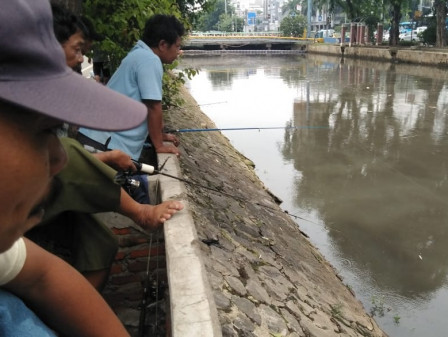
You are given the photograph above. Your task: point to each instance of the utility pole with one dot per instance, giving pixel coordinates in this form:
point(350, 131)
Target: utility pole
point(308, 16)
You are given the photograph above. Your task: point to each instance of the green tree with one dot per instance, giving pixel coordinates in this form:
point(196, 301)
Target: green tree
point(429, 35)
point(122, 22)
point(292, 5)
point(230, 23)
point(218, 16)
point(293, 25)
point(209, 19)
point(191, 8)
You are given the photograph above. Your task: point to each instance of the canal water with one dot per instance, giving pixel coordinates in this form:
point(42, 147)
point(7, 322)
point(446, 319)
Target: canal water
point(359, 151)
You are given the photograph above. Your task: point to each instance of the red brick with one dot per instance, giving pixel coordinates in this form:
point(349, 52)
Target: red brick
point(137, 266)
point(131, 240)
point(124, 279)
point(116, 269)
point(121, 231)
point(158, 251)
point(155, 251)
point(120, 256)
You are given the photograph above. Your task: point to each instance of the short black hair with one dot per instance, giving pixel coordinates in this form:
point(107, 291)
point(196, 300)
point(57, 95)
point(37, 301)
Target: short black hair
point(65, 23)
point(90, 33)
point(162, 27)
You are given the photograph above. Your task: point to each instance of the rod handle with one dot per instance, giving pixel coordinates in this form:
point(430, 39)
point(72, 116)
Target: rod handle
point(145, 168)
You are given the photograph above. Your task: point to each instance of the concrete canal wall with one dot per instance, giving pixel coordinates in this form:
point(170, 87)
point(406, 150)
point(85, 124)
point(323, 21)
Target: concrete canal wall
point(237, 264)
point(234, 262)
point(415, 55)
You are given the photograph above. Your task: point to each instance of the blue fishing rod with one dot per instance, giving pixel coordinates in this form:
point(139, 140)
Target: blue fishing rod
point(246, 128)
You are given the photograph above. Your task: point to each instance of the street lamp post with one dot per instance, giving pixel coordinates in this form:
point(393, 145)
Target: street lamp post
point(308, 17)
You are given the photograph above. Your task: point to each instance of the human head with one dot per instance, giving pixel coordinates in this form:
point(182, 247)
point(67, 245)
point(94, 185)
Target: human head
point(69, 31)
point(37, 93)
point(163, 34)
point(89, 33)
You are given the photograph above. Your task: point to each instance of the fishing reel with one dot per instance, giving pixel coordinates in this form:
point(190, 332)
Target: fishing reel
point(126, 181)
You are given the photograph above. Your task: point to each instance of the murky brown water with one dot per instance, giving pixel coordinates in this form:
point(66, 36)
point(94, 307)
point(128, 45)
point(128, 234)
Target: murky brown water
point(366, 168)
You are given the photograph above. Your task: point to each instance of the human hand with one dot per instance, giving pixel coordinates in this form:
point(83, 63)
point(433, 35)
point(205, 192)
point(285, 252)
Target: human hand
point(168, 137)
point(117, 159)
point(168, 149)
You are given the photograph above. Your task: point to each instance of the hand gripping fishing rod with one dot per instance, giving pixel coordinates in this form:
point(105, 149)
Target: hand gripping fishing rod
point(125, 179)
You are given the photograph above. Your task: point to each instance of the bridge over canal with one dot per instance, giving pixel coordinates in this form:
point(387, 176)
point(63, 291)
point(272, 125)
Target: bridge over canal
point(245, 42)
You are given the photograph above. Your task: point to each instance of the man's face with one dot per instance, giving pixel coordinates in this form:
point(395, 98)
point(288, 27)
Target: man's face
point(168, 53)
point(73, 49)
point(31, 155)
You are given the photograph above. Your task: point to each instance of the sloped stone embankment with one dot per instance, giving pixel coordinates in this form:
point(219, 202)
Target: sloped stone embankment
point(267, 278)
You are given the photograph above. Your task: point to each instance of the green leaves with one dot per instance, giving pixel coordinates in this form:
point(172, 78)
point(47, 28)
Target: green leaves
point(122, 23)
point(293, 25)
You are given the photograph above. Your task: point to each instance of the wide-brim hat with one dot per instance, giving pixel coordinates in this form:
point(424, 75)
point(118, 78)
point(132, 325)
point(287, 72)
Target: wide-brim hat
point(34, 74)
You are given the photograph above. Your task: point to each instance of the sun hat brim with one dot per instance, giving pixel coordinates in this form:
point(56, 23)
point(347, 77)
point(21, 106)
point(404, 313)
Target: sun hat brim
point(76, 100)
point(34, 74)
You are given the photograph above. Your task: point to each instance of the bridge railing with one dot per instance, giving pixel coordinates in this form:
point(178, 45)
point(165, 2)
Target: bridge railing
point(245, 34)
point(248, 35)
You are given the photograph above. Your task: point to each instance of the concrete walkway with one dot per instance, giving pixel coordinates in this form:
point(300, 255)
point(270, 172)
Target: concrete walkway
point(193, 310)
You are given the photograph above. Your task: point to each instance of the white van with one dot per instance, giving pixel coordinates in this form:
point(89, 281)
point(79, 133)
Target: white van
point(421, 29)
point(325, 33)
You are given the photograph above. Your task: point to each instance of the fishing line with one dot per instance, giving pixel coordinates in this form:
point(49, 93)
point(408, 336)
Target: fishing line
point(142, 318)
point(193, 106)
point(148, 169)
point(247, 128)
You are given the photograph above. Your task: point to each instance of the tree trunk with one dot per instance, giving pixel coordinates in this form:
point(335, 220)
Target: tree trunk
point(440, 9)
point(395, 28)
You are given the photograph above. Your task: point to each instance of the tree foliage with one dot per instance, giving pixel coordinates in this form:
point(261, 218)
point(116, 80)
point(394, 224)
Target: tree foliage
point(122, 23)
point(293, 25)
point(218, 16)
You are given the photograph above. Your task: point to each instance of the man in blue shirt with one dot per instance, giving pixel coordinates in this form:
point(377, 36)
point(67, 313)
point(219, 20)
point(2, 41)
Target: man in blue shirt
point(140, 78)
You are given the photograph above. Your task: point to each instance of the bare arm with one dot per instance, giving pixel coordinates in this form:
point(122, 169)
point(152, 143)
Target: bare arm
point(155, 127)
point(62, 297)
point(116, 159)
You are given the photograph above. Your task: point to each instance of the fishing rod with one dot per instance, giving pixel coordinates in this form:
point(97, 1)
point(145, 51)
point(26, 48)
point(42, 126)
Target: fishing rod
point(123, 178)
point(193, 106)
point(246, 128)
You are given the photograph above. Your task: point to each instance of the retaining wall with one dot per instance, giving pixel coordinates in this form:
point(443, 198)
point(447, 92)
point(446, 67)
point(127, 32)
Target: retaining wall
point(422, 56)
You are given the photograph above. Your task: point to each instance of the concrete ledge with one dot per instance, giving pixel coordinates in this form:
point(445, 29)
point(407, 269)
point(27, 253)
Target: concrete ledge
point(193, 310)
point(425, 56)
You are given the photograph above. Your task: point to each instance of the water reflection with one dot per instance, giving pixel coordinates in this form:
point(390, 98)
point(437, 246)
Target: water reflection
point(375, 174)
point(378, 174)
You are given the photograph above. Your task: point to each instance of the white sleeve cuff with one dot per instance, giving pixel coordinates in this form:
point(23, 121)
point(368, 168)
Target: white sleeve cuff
point(12, 261)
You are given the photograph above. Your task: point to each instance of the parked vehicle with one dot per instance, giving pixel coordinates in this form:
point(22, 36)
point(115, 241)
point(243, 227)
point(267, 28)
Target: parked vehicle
point(324, 33)
point(407, 26)
point(409, 36)
point(421, 29)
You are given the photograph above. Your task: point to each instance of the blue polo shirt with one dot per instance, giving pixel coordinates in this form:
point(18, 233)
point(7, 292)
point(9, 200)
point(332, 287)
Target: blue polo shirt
point(139, 77)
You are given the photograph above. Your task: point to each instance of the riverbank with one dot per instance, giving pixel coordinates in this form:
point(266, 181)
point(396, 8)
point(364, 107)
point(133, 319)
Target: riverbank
point(426, 56)
point(266, 277)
